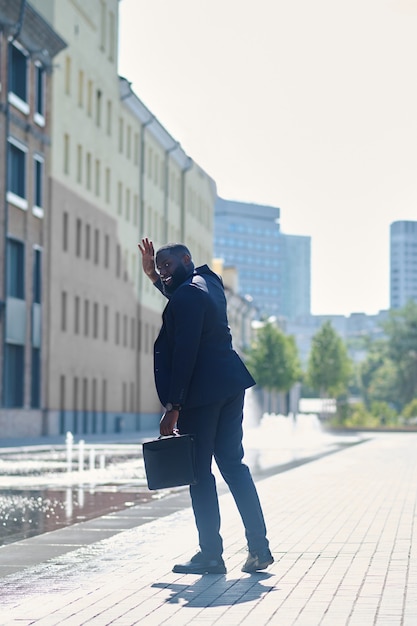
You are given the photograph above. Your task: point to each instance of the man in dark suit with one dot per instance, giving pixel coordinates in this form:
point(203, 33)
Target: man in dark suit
point(201, 382)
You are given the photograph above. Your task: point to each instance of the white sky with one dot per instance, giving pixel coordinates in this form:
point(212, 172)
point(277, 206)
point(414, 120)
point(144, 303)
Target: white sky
point(309, 105)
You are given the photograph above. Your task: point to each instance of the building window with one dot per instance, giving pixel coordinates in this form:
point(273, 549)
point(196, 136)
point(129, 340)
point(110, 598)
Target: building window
point(121, 137)
point(90, 98)
point(95, 320)
point(86, 317)
point(14, 375)
point(139, 336)
point(132, 397)
point(125, 330)
point(88, 171)
point(106, 323)
point(79, 164)
point(38, 186)
point(128, 204)
point(37, 275)
point(18, 74)
point(135, 209)
point(132, 333)
point(16, 184)
point(112, 36)
point(117, 329)
point(66, 154)
point(77, 315)
point(75, 403)
point(118, 260)
point(124, 394)
point(149, 163)
point(35, 399)
point(63, 311)
point(87, 240)
point(65, 231)
point(15, 269)
point(68, 76)
point(62, 405)
point(109, 117)
point(119, 198)
point(106, 251)
point(104, 403)
point(39, 116)
point(129, 142)
point(136, 150)
point(103, 25)
point(78, 238)
point(97, 178)
point(96, 246)
point(108, 179)
point(98, 107)
point(80, 88)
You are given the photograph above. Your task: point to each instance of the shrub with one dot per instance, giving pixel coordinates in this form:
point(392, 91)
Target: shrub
point(409, 412)
point(361, 417)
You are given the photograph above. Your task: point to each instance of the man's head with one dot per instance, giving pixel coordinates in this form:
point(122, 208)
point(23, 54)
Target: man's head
point(174, 264)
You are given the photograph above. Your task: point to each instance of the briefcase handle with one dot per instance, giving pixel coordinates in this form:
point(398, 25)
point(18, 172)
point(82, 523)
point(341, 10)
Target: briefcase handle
point(175, 433)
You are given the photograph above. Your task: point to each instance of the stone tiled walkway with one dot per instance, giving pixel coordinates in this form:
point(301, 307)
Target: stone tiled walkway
point(342, 530)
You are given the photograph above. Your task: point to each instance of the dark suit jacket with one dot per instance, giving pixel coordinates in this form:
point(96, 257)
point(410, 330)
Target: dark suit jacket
point(194, 361)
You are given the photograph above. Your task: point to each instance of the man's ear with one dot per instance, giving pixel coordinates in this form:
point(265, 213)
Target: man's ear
point(186, 259)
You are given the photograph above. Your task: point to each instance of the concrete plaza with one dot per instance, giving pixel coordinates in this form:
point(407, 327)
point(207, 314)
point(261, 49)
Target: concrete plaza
point(342, 528)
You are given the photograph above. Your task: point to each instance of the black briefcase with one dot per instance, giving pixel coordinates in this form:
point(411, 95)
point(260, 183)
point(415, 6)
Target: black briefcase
point(170, 461)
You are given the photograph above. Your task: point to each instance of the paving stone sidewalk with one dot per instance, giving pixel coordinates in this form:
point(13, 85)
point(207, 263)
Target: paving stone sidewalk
point(343, 531)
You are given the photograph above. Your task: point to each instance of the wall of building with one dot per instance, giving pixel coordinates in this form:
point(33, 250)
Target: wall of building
point(115, 175)
point(27, 48)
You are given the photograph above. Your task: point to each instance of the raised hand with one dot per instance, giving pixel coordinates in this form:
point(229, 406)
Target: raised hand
point(148, 259)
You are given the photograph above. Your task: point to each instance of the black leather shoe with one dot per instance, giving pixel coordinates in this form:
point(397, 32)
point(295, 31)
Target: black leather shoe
point(200, 565)
point(257, 561)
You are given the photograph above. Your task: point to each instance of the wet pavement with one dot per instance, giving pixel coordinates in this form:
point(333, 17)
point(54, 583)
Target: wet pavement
point(342, 528)
point(44, 487)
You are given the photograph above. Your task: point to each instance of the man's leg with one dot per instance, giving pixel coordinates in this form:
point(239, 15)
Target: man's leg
point(202, 422)
point(228, 453)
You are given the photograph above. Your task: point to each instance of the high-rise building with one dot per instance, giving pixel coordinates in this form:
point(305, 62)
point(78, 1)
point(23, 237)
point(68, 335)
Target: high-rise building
point(273, 268)
point(403, 263)
point(295, 276)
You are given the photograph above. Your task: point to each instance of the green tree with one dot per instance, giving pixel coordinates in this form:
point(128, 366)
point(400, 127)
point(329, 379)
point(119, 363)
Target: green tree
point(378, 375)
point(401, 331)
point(409, 412)
point(329, 366)
point(273, 359)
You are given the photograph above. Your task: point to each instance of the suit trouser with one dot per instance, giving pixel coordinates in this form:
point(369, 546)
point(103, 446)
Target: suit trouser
point(218, 430)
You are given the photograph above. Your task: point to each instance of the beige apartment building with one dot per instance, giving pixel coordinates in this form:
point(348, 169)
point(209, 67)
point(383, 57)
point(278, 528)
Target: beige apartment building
point(28, 46)
point(115, 175)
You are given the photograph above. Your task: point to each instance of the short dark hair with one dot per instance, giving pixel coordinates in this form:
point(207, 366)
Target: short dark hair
point(177, 249)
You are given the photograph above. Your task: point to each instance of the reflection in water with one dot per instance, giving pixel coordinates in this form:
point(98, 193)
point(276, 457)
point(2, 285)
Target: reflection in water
point(27, 513)
point(30, 505)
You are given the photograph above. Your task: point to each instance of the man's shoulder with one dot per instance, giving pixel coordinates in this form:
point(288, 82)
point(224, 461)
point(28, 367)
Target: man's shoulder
point(191, 291)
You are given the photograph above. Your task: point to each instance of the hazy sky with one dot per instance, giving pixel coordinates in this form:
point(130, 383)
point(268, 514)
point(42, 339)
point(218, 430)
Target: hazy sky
point(309, 105)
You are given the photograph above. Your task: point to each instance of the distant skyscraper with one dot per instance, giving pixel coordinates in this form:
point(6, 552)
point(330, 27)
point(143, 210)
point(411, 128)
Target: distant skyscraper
point(296, 276)
point(403, 245)
point(273, 268)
